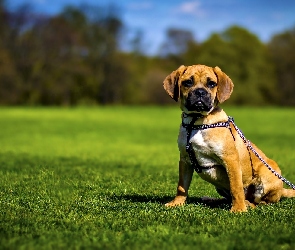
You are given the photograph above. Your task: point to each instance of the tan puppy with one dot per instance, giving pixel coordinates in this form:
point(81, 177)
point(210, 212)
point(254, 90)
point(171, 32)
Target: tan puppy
point(220, 153)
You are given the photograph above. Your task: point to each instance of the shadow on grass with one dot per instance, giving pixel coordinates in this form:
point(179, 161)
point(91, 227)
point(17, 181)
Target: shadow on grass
point(221, 203)
point(207, 202)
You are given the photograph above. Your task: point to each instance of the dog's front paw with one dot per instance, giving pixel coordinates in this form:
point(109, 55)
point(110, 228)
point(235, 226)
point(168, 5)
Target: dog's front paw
point(238, 208)
point(178, 201)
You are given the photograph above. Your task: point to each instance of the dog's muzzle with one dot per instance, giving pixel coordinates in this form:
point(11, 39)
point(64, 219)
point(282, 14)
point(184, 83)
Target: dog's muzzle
point(198, 100)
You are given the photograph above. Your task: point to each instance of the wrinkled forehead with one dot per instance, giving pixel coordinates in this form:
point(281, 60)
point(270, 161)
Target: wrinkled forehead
point(199, 73)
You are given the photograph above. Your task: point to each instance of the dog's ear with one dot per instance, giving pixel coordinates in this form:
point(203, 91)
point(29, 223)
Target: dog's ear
point(171, 84)
point(224, 85)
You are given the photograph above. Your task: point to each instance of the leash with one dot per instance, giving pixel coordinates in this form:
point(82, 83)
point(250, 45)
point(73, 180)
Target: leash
point(250, 147)
point(189, 148)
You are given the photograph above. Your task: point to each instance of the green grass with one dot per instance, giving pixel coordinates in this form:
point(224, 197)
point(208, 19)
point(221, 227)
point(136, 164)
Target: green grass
point(97, 178)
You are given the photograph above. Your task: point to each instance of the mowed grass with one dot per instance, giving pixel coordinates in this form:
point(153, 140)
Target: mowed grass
point(97, 178)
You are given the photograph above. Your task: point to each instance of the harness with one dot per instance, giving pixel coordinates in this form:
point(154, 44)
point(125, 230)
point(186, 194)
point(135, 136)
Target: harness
point(189, 148)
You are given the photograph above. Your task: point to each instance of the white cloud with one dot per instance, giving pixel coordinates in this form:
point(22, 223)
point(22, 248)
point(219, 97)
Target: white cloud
point(191, 7)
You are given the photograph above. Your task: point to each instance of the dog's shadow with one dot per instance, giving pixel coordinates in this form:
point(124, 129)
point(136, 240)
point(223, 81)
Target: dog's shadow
point(207, 202)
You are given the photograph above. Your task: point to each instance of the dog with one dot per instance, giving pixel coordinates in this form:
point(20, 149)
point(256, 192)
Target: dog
point(220, 153)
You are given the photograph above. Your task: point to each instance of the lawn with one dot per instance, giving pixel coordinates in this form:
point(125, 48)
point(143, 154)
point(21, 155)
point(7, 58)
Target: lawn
point(97, 178)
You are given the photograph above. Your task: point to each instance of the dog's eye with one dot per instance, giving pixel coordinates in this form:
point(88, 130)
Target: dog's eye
point(187, 83)
point(211, 84)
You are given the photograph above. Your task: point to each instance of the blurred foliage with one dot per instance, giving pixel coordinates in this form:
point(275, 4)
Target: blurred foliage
point(75, 58)
point(246, 60)
point(282, 49)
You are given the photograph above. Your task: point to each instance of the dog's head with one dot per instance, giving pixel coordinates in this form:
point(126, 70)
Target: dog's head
point(200, 88)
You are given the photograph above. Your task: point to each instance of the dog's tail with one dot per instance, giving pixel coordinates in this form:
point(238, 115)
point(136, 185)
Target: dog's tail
point(288, 193)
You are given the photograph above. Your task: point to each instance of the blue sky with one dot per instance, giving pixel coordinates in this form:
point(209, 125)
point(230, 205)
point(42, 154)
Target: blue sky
point(261, 17)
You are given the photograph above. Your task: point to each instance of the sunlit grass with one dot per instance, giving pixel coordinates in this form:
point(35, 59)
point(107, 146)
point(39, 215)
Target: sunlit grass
point(98, 178)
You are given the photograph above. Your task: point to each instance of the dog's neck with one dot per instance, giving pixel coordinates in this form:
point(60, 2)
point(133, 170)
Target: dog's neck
point(201, 118)
point(196, 118)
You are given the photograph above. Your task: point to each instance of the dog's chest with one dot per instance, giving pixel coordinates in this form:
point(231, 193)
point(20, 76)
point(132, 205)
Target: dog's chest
point(204, 151)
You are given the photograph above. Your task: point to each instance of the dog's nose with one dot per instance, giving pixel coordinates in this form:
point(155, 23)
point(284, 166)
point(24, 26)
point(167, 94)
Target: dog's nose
point(200, 92)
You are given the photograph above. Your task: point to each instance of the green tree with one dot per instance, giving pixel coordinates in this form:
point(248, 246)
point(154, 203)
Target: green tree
point(71, 58)
point(103, 36)
point(282, 49)
point(11, 88)
point(176, 45)
point(245, 59)
point(75, 58)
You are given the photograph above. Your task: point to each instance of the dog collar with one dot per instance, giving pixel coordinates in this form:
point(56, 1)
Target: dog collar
point(195, 116)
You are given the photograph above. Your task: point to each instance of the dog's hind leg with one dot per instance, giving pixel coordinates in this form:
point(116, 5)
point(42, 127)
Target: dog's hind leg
point(249, 204)
point(288, 193)
point(272, 196)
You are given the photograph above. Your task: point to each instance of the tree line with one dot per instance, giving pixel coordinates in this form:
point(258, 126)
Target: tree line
point(75, 58)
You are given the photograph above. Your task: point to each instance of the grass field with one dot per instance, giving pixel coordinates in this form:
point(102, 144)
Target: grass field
point(97, 178)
